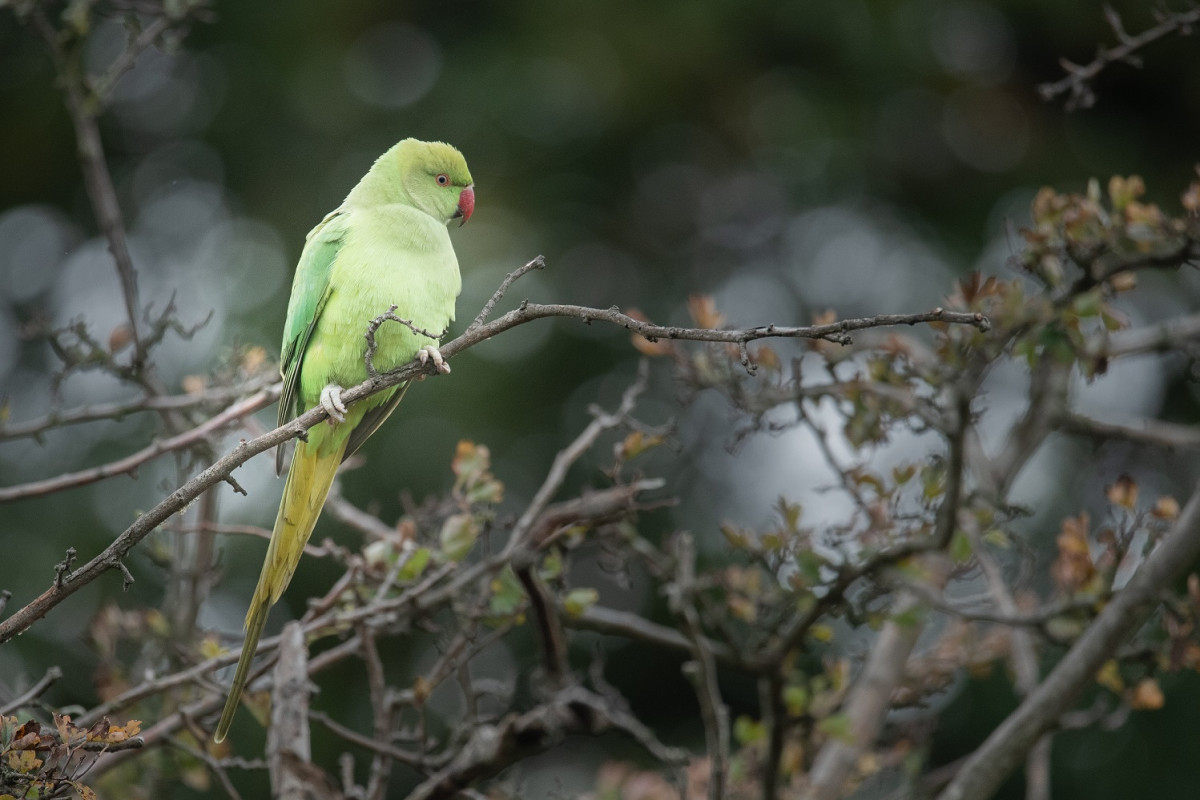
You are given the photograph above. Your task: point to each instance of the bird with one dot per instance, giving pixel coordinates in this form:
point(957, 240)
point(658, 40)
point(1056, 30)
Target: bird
point(386, 247)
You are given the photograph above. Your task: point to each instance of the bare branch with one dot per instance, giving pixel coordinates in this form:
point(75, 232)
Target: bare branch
point(214, 765)
point(537, 263)
point(868, 701)
point(492, 748)
point(117, 411)
point(97, 178)
point(631, 626)
point(288, 741)
point(1077, 82)
point(1154, 432)
point(569, 455)
point(1171, 335)
point(33, 692)
point(367, 743)
point(702, 670)
point(1024, 658)
point(129, 464)
point(373, 328)
point(1009, 743)
point(102, 87)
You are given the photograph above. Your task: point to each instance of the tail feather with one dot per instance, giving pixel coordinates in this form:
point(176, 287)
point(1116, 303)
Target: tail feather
point(255, 620)
point(308, 482)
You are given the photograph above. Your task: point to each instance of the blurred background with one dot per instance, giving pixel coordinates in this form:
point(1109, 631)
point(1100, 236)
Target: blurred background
point(784, 157)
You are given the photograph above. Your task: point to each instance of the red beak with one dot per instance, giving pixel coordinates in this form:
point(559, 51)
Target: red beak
point(466, 204)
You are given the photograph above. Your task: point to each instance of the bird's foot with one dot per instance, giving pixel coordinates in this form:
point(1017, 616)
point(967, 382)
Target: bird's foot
point(430, 353)
point(331, 401)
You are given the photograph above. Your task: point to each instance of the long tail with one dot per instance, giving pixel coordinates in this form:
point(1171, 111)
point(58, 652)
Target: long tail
point(304, 494)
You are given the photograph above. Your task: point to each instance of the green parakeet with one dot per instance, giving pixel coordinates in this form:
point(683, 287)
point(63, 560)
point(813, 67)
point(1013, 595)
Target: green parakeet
point(386, 244)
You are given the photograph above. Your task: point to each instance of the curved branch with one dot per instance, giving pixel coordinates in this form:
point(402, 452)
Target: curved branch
point(223, 468)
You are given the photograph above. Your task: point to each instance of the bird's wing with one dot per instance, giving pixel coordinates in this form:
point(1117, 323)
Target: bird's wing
point(310, 292)
point(372, 419)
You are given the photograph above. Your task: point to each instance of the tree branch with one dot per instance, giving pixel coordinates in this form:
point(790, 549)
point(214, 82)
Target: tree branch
point(117, 411)
point(527, 312)
point(1009, 743)
point(288, 741)
point(1078, 78)
point(130, 463)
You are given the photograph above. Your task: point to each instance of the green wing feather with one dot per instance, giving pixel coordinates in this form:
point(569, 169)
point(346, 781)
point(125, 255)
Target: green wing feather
point(310, 292)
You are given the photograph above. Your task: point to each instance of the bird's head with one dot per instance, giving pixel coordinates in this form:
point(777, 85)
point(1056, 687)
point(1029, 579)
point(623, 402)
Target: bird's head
point(436, 179)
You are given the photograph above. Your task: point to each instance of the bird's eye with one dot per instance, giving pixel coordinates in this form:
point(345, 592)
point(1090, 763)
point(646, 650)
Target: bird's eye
point(443, 179)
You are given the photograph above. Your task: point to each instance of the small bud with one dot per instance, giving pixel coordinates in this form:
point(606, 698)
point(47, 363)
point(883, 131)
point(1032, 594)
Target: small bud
point(120, 338)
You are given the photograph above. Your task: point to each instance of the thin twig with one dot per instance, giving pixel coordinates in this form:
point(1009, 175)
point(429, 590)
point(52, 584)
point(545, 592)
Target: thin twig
point(214, 764)
point(538, 262)
point(600, 423)
point(367, 743)
point(130, 464)
point(120, 410)
point(1077, 81)
point(102, 87)
point(33, 692)
point(702, 670)
point(97, 177)
point(381, 763)
point(612, 622)
point(373, 328)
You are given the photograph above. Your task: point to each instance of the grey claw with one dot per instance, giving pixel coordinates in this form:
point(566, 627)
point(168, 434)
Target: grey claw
point(331, 401)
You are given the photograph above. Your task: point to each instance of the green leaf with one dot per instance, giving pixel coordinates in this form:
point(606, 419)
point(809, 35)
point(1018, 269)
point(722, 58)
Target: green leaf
point(795, 698)
point(837, 726)
point(809, 565)
point(960, 548)
point(552, 565)
point(416, 564)
point(790, 513)
point(933, 480)
point(458, 536)
point(822, 633)
point(735, 537)
point(909, 617)
point(579, 600)
point(1088, 304)
point(998, 537)
point(747, 730)
point(507, 595)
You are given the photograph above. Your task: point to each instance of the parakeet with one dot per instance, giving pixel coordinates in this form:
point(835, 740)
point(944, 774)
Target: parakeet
point(387, 244)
